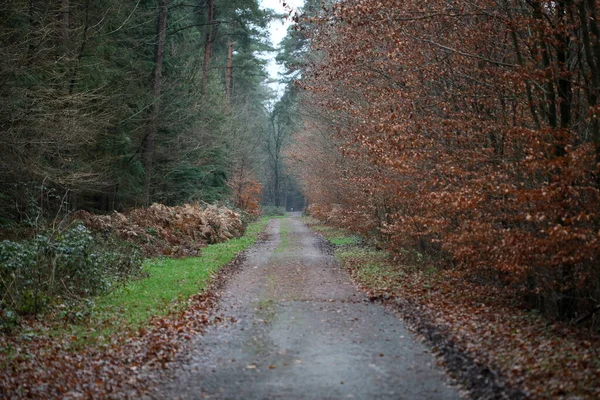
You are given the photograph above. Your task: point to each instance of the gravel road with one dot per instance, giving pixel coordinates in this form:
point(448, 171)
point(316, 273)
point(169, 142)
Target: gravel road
point(296, 327)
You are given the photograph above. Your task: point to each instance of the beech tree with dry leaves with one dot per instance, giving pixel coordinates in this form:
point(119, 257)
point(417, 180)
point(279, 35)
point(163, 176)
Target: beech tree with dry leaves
point(466, 130)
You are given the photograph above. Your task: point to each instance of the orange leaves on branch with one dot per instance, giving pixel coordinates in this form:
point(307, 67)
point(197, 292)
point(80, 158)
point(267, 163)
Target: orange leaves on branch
point(469, 132)
point(246, 191)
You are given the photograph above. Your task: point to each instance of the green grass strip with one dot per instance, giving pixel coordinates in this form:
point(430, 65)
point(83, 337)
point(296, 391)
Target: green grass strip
point(169, 282)
point(283, 233)
point(337, 236)
point(371, 266)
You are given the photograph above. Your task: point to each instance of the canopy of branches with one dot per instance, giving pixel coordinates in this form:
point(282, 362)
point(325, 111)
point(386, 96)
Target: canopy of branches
point(467, 129)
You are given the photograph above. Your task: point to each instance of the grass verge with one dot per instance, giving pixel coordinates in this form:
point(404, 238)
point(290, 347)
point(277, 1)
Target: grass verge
point(336, 236)
point(166, 287)
point(106, 348)
point(283, 233)
point(477, 327)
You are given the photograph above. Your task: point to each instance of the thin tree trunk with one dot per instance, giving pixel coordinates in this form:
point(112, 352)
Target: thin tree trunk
point(82, 48)
point(563, 85)
point(592, 54)
point(207, 44)
point(65, 22)
point(515, 41)
point(149, 142)
point(276, 184)
point(550, 92)
point(274, 154)
point(229, 74)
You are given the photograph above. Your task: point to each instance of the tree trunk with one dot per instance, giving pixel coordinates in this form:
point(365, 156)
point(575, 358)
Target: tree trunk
point(149, 142)
point(276, 186)
point(65, 22)
point(591, 47)
point(544, 52)
point(515, 42)
point(82, 48)
point(229, 74)
point(207, 44)
point(564, 83)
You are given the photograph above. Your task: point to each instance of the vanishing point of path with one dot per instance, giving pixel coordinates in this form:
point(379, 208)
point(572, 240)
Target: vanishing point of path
point(297, 328)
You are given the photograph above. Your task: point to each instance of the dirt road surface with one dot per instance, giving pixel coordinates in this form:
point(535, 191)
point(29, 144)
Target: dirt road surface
point(297, 328)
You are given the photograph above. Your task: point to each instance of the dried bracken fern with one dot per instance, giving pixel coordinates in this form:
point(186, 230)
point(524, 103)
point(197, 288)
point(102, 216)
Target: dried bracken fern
point(174, 231)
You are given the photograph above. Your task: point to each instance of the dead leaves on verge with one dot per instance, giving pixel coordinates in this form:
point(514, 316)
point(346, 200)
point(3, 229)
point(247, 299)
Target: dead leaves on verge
point(544, 359)
point(125, 366)
point(173, 231)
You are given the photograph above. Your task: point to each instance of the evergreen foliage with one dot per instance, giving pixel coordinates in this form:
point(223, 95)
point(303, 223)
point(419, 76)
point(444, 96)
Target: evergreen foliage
point(88, 114)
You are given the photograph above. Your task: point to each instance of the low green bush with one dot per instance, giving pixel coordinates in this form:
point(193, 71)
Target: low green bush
point(272, 211)
point(69, 264)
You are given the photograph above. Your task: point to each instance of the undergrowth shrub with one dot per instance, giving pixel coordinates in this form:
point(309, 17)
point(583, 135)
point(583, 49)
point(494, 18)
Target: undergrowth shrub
point(273, 211)
point(507, 196)
point(246, 217)
point(55, 265)
point(178, 231)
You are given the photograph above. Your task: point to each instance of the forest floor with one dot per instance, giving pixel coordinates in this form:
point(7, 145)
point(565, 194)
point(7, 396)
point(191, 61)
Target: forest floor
point(482, 333)
point(287, 319)
point(115, 345)
point(296, 327)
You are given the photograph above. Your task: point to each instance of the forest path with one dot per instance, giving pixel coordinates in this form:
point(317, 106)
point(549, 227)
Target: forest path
point(297, 328)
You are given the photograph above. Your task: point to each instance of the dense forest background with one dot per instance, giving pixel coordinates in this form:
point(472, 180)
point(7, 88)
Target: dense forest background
point(109, 105)
point(450, 149)
point(465, 134)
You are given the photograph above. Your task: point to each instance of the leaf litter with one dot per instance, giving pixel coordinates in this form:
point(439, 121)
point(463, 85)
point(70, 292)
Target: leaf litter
point(125, 365)
point(485, 337)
